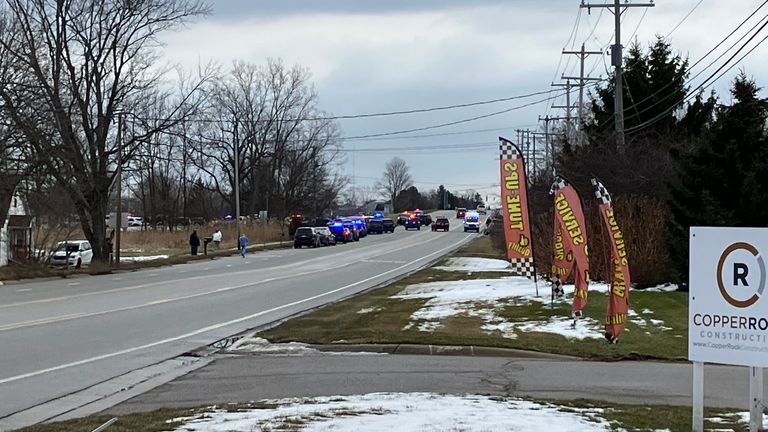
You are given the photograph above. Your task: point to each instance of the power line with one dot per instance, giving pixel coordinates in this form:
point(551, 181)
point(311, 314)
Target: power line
point(467, 132)
point(684, 19)
point(712, 63)
point(704, 84)
point(425, 110)
point(610, 122)
point(400, 132)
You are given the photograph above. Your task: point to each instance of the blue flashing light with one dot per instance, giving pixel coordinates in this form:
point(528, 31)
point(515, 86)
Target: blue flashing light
point(379, 215)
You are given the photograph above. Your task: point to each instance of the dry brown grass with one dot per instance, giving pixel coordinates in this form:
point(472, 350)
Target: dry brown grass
point(642, 222)
point(150, 241)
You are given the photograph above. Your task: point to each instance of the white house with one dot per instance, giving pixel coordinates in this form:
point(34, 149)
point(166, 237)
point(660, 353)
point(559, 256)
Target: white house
point(16, 242)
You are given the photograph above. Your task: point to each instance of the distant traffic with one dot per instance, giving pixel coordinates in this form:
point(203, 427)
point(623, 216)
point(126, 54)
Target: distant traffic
point(320, 232)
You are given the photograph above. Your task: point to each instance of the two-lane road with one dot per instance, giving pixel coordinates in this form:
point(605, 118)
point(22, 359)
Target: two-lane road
point(60, 337)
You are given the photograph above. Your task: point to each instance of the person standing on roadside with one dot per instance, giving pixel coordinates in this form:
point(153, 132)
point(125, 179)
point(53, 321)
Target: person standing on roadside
point(243, 244)
point(194, 242)
point(217, 239)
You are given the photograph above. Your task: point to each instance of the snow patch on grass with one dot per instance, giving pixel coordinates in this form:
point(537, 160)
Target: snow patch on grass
point(484, 298)
point(470, 264)
point(400, 412)
point(143, 258)
point(370, 310)
point(257, 345)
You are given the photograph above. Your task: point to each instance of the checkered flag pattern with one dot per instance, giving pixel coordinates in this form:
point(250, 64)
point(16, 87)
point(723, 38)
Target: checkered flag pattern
point(559, 184)
point(523, 267)
point(601, 192)
point(508, 150)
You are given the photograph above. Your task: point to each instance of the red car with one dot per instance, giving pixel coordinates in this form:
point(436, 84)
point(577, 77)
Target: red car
point(441, 224)
point(460, 212)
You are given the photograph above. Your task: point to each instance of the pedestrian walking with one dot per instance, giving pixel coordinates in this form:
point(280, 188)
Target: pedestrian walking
point(217, 239)
point(194, 242)
point(243, 244)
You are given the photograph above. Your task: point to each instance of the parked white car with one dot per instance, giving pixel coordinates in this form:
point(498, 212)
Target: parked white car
point(135, 221)
point(72, 253)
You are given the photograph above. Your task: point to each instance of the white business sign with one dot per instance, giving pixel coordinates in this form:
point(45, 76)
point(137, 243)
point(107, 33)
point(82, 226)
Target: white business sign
point(728, 307)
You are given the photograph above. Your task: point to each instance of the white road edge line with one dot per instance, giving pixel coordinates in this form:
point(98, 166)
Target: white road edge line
point(220, 325)
point(163, 283)
point(57, 319)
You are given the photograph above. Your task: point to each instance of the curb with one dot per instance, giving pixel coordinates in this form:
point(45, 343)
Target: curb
point(445, 350)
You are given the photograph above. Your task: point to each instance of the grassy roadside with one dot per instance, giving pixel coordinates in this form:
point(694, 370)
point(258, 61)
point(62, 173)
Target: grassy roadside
point(659, 331)
point(39, 270)
point(622, 417)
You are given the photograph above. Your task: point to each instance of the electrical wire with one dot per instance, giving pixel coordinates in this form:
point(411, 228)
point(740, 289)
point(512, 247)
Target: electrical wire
point(453, 123)
point(705, 84)
point(684, 19)
point(705, 68)
point(611, 121)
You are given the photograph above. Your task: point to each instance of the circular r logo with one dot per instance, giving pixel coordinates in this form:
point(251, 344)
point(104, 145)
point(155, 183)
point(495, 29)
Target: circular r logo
point(740, 272)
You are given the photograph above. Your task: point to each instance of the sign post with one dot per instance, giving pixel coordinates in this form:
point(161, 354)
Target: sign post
point(698, 397)
point(728, 314)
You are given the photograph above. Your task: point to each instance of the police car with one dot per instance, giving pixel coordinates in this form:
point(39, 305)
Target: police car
point(472, 221)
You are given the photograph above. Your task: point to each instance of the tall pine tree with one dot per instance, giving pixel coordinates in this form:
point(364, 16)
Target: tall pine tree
point(723, 176)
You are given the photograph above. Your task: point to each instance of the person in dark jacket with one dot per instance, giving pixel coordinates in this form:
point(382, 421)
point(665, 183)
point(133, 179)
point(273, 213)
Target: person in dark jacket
point(194, 242)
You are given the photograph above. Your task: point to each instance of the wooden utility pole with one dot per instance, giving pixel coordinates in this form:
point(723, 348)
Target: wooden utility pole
point(582, 81)
point(617, 58)
point(119, 218)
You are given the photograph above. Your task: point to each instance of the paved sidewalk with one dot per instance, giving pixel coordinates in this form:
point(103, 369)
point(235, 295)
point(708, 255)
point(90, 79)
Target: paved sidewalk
point(251, 377)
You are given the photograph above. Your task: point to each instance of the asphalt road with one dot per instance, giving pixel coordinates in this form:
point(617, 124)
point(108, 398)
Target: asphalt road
point(254, 377)
point(61, 339)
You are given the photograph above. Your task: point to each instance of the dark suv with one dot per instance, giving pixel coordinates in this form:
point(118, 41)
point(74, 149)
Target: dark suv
point(389, 225)
point(412, 222)
point(425, 219)
point(441, 224)
point(375, 226)
point(305, 236)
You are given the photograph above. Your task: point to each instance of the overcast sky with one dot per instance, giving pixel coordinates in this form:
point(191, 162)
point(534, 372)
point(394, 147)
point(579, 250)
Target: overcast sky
point(374, 55)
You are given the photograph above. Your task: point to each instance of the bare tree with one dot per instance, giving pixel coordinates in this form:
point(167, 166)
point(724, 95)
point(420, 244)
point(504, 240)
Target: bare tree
point(69, 68)
point(287, 148)
point(396, 178)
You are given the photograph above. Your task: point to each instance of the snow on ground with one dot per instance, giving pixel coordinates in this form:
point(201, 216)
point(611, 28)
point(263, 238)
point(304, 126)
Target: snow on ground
point(400, 412)
point(143, 258)
point(483, 298)
point(257, 345)
point(745, 419)
point(370, 310)
point(668, 287)
point(470, 264)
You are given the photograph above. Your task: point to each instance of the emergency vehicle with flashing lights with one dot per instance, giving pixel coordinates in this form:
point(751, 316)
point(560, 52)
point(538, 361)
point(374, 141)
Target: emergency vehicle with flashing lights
point(472, 222)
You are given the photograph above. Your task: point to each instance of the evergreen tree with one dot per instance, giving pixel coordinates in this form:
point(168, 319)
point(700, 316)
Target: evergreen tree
point(654, 82)
point(723, 177)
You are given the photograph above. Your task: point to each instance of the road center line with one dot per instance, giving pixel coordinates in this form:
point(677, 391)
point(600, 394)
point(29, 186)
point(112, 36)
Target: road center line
point(202, 277)
point(223, 324)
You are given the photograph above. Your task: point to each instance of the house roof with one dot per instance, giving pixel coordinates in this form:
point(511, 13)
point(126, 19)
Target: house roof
point(19, 221)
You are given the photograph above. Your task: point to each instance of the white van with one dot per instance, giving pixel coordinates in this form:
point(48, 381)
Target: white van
point(72, 253)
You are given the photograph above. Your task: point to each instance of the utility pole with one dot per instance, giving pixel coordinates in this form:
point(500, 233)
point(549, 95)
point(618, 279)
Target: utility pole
point(237, 184)
point(119, 221)
point(582, 80)
point(567, 106)
point(549, 146)
point(617, 58)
